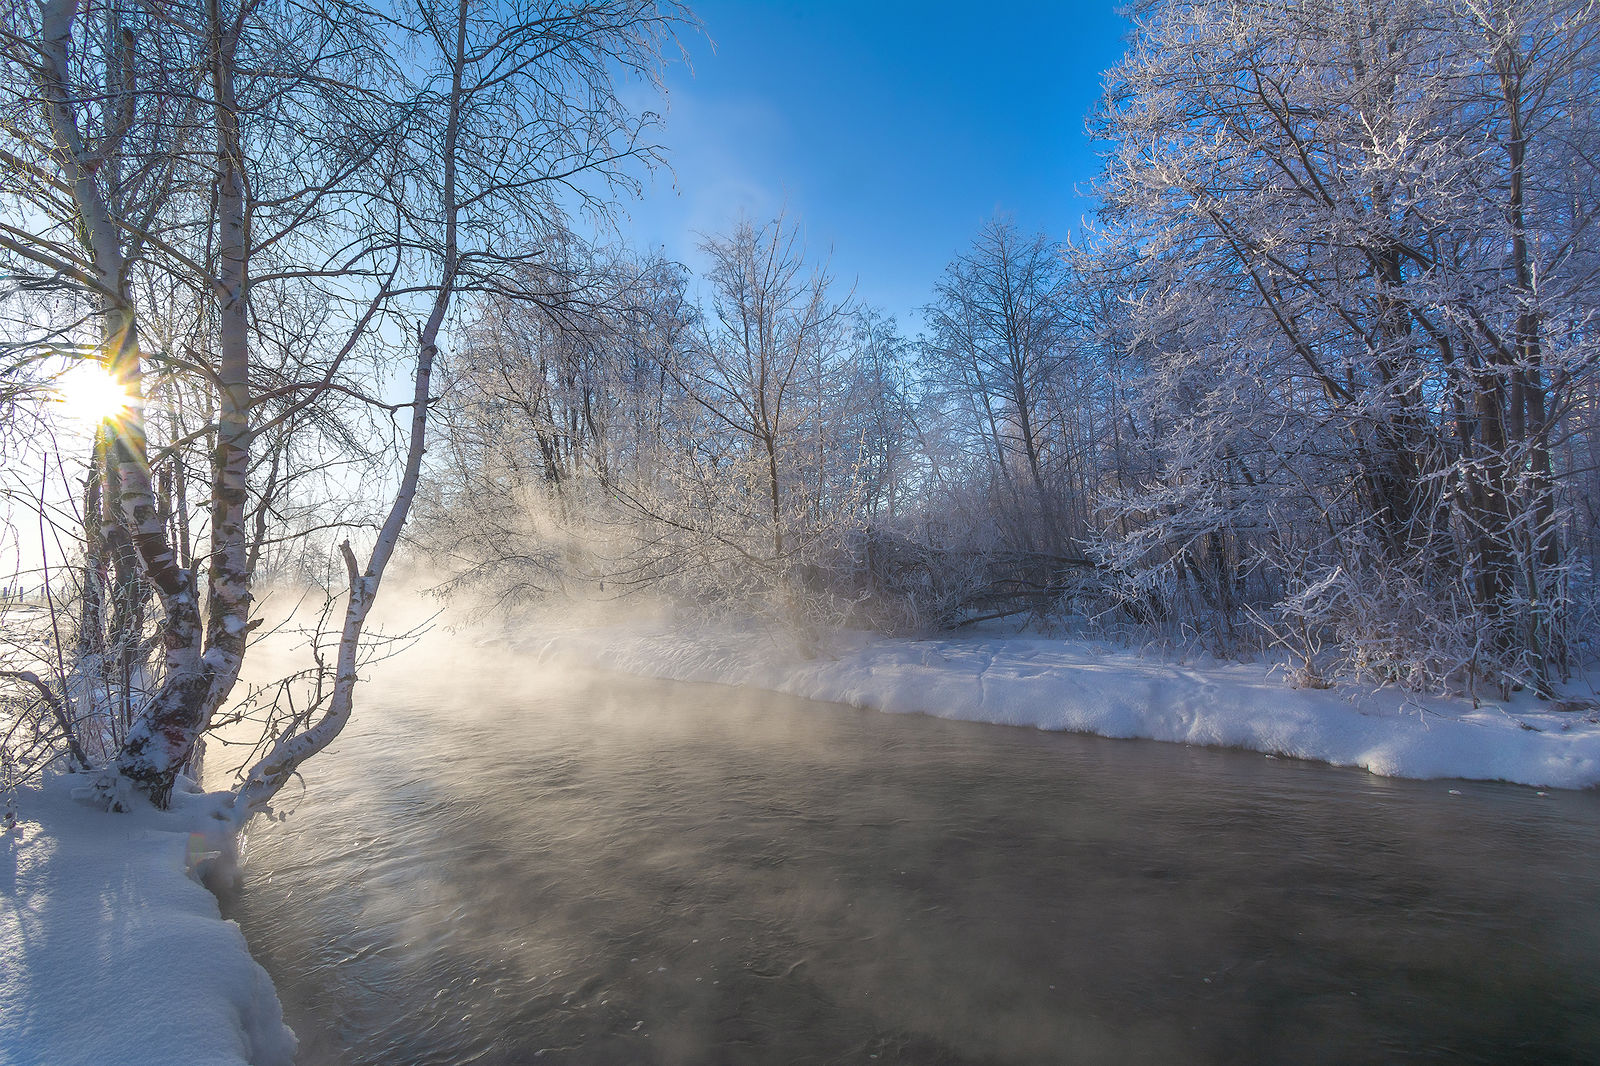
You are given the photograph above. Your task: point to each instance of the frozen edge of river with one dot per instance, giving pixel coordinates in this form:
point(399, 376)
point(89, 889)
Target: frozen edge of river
point(113, 949)
point(1077, 686)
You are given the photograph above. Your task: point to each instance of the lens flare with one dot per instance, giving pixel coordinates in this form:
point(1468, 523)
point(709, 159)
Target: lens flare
point(89, 394)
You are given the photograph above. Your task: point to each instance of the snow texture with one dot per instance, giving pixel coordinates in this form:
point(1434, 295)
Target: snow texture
point(1089, 688)
point(112, 951)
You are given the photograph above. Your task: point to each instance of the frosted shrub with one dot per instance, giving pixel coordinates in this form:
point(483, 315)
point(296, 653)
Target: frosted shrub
point(32, 734)
point(1382, 626)
point(910, 586)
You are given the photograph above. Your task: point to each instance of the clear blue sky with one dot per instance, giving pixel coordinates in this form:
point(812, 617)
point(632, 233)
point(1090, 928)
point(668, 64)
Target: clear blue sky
point(891, 130)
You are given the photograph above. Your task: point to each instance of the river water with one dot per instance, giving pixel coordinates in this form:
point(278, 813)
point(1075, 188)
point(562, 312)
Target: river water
point(583, 868)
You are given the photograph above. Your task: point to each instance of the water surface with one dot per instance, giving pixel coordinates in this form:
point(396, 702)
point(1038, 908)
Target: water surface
point(590, 869)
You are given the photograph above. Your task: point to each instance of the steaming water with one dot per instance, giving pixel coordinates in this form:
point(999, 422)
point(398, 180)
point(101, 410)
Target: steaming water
point(593, 869)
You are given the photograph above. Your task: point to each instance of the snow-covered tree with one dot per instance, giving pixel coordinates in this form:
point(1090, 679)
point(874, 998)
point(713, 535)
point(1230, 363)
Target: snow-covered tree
point(994, 361)
point(1357, 242)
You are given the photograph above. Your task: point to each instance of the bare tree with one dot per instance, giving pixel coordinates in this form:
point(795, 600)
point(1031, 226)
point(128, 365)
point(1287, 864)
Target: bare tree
point(997, 356)
point(269, 163)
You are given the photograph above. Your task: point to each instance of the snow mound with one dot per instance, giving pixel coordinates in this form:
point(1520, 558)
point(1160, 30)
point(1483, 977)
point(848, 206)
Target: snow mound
point(1088, 688)
point(111, 951)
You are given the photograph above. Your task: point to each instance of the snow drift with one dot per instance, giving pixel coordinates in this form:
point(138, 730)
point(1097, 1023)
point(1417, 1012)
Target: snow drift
point(113, 950)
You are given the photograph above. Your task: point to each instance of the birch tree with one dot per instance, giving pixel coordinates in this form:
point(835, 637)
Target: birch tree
point(274, 164)
point(521, 101)
point(132, 115)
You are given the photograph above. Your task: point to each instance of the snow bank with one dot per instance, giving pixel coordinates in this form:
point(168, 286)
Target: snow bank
point(111, 951)
point(1087, 688)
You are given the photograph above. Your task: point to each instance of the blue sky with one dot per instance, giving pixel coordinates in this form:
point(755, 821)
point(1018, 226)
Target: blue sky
point(891, 130)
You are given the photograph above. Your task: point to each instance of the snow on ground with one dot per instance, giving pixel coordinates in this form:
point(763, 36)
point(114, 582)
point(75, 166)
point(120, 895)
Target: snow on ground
point(111, 951)
point(1090, 688)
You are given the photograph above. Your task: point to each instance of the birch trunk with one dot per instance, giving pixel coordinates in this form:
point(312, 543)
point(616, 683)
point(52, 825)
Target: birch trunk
point(291, 749)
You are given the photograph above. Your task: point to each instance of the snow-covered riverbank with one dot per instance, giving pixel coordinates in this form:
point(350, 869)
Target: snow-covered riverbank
point(1082, 687)
point(111, 951)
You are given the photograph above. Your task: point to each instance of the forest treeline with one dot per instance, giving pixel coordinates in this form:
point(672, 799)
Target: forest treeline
point(1320, 377)
point(1317, 379)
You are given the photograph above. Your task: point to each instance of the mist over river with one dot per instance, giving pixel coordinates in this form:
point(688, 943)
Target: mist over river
point(508, 866)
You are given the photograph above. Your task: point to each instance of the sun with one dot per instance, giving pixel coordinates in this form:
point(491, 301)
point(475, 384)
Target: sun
point(90, 395)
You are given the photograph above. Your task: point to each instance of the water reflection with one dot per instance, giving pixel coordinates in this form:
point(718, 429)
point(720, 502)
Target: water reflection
point(598, 870)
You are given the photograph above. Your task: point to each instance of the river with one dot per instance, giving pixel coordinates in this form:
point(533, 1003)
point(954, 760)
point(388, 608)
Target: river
point(567, 867)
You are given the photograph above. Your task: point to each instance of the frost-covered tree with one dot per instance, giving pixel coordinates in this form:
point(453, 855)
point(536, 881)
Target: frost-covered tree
point(753, 490)
point(879, 414)
point(1357, 245)
point(251, 214)
point(737, 450)
point(554, 412)
point(994, 361)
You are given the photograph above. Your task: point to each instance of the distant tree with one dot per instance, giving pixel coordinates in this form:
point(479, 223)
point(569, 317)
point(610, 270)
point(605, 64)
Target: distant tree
point(995, 358)
point(879, 414)
point(749, 476)
point(766, 341)
point(552, 411)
